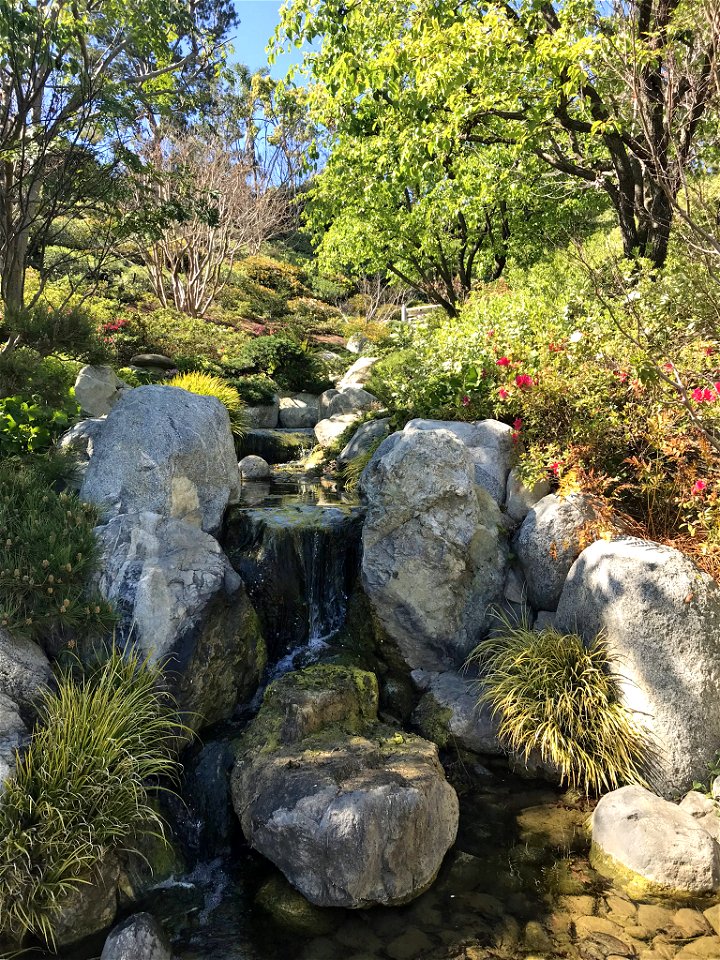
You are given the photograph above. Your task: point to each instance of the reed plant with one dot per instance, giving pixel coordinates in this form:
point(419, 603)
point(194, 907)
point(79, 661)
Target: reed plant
point(209, 385)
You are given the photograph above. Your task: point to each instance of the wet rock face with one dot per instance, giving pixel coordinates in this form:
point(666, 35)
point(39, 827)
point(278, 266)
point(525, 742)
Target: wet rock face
point(353, 812)
point(660, 616)
point(299, 564)
point(181, 603)
point(449, 715)
point(279, 445)
point(651, 845)
point(434, 557)
point(140, 937)
point(167, 451)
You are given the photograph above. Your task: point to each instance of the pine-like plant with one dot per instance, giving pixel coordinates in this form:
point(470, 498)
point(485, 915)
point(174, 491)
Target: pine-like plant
point(82, 789)
point(208, 385)
point(558, 696)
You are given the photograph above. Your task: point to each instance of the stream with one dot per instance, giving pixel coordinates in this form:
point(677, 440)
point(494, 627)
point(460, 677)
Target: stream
point(517, 883)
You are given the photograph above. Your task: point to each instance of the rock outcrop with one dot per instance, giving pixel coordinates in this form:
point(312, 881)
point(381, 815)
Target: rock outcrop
point(362, 440)
point(434, 557)
point(353, 812)
point(449, 715)
point(660, 617)
point(166, 451)
point(183, 605)
point(140, 937)
point(300, 410)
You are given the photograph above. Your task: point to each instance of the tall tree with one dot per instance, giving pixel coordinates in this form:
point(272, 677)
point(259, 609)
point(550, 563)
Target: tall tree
point(72, 74)
point(616, 95)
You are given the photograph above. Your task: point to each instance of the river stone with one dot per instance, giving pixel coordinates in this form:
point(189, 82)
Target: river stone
point(491, 448)
point(660, 616)
point(352, 400)
point(549, 541)
point(140, 937)
point(300, 410)
point(353, 812)
point(519, 499)
point(448, 713)
point(433, 559)
point(358, 374)
point(25, 671)
point(328, 430)
point(167, 451)
point(264, 416)
point(181, 603)
point(97, 390)
point(91, 907)
point(651, 845)
point(364, 437)
point(254, 468)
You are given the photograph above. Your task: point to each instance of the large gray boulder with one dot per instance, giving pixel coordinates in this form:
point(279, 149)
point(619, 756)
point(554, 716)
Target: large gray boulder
point(181, 603)
point(140, 937)
point(353, 400)
point(358, 374)
point(98, 389)
point(433, 556)
point(353, 812)
point(449, 715)
point(14, 735)
point(25, 671)
point(651, 846)
point(80, 441)
point(328, 430)
point(552, 536)
point(300, 410)
point(362, 440)
point(264, 416)
point(168, 451)
point(491, 446)
point(660, 616)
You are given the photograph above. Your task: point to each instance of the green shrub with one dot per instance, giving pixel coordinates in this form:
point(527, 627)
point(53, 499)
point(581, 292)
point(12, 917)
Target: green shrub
point(207, 385)
point(69, 331)
point(174, 334)
point(24, 371)
point(255, 391)
point(30, 426)
point(275, 275)
point(47, 550)
point(289, 363)
point(82, 790)
point(558, 696)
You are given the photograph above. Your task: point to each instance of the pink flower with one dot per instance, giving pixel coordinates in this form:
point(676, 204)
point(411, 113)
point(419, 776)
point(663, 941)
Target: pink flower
point(699, 487)
point(503, 362)
point(668, 367)
point(503, 393)
point(717, 386)
point(705, 395)
point(555, 468)
point(466, 401)
point(709, 351)
point(517, 424)
point(524, 381)
point(515, 436)
point(490, 333)
point(621, 375)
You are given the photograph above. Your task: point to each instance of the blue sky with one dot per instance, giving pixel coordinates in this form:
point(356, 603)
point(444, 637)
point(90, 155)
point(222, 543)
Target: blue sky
point(258, 19)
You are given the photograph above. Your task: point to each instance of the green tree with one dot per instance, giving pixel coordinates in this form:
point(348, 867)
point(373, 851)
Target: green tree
point(72, 74)
point(620, 96)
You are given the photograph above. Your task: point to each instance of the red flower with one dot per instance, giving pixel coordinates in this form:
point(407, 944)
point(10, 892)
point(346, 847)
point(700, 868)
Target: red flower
point(466, 401)
point(503, 362)
point(517, 424)
point(705, 395)
point(699, 487)
point(524, 381)
point(709, 351)
point(668, 367)
point(556, 347)
point(515, 436)
point(490, 333)
point(503, 393)
point(621, 375)
point(555, 468)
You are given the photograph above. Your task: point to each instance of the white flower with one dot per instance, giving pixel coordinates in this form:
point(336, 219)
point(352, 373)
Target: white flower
point(576, 336)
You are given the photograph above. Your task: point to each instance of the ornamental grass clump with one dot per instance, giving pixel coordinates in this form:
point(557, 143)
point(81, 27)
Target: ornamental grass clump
point(208, 385)
point(82, 791)
point(47, 551)
point(554, 694)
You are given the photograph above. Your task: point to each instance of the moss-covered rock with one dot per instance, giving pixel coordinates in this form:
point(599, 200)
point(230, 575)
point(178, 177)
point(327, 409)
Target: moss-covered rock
point(354, 812)
point(290, 909)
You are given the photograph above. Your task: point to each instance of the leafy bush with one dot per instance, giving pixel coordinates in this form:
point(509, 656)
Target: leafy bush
point(557, 696)
point(291, 364)
point(82, 790)
point(255, 391)
point(69, 331)
point(47, 550)
point(24, 371)
point(29, 426)
point(174, 334)
point(207, 385)
point(283, 278)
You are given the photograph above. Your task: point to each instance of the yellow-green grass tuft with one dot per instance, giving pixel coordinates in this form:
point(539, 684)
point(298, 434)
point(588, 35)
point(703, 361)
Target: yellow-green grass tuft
point(557, 695)
point(208, 385)
point(82, 790)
